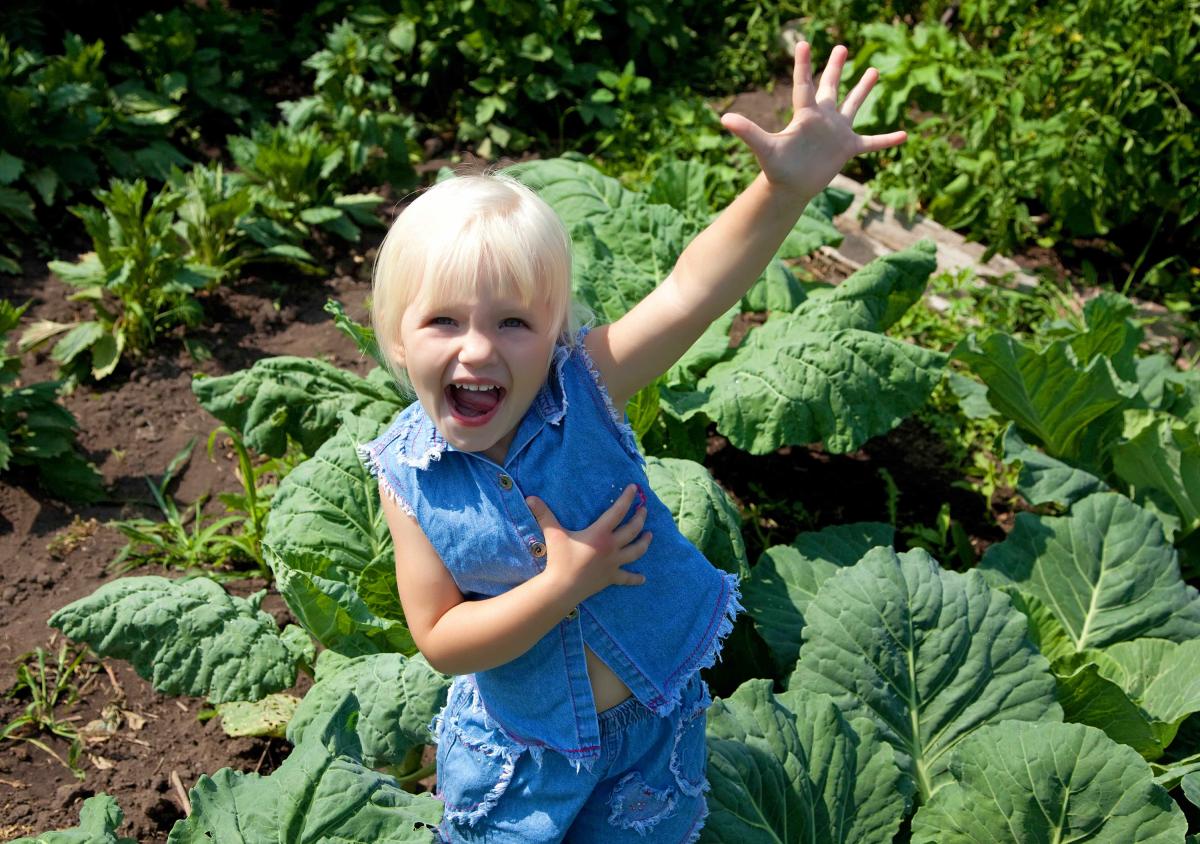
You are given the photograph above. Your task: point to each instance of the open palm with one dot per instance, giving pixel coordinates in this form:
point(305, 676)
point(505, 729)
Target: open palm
point(820, 139)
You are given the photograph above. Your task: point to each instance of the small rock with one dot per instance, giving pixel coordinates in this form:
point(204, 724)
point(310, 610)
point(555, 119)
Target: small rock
point(9, 593)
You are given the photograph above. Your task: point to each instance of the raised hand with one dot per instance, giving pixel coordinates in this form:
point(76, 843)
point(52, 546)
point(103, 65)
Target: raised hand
point(586, 561)
point(806, 155)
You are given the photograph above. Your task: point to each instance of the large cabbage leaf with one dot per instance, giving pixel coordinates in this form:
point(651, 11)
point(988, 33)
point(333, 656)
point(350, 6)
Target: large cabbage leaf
point(929, 655)
point(188, 637)
point(1160, 459)
point(787, 385)
point(702, 511)
point(398, 697)
point(876, 296)
point(787, 577)
point(331, 551)
point(294, 397)
point(1105, 571)
point(791, 768)
point(321, 793)
point(1141, 692)
point(1048, 393)
point(1048, 782)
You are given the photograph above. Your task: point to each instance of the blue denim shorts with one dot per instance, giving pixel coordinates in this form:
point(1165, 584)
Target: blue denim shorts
point(648, 784)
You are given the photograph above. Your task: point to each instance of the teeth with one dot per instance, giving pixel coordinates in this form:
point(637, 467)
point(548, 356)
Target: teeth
point(477, 388)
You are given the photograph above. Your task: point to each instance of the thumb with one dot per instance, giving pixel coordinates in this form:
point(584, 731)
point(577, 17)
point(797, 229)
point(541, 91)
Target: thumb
point(541, 512)
point(749, 132)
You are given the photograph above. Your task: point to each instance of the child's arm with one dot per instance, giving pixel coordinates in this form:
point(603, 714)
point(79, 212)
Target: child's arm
point(458, 636)
point(721, 263)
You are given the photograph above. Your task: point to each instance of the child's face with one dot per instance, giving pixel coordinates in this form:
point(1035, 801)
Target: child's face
point(497, 345)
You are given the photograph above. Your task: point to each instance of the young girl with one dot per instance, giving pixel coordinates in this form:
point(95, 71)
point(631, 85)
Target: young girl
point(572, 623)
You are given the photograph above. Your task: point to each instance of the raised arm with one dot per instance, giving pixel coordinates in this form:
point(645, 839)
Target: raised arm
point(720, 264)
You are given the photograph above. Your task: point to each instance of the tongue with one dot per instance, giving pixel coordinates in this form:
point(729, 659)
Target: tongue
point(476, 402)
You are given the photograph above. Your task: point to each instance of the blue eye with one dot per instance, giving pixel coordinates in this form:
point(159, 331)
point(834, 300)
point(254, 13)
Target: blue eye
point(514, 322)
point(441, 320)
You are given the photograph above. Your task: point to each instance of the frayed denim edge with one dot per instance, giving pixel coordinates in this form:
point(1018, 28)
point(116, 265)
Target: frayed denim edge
point(617, 802)
point(373, 465)
point(628, 438)
point(712, 654)
point(474, 702)
point(698, 827)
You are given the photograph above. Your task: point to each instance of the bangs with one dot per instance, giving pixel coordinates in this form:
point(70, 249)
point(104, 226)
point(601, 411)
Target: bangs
point(505, 254)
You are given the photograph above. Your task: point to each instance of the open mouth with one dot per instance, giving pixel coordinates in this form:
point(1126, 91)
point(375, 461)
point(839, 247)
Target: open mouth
point(474, 404)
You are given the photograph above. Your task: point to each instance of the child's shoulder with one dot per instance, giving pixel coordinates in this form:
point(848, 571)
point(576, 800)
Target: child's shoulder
point(409, 440)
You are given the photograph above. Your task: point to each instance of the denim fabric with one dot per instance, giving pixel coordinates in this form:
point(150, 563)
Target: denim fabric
point(648, 784)
point(576, 453)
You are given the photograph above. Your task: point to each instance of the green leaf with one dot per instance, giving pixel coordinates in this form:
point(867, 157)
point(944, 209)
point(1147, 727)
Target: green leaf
point(789, 386)
point(294, 397)
point(791, 768)
point(1048, 782)
point(321, 793)
point(1043, 479)
point(77, 340)
point(187, 637)
point(929, 655)
point(1046, 393)
point(1105, 571)
point(1160, 459)
point(99, 818)
point(398, 696)
point(876, 296)
point(787, 577)
point(702, 511)
point(324, 532)
point(1160, 676)
point(266, 717)
point(1090, 697)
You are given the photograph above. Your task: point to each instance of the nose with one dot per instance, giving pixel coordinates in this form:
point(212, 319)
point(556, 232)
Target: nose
point(477, 347)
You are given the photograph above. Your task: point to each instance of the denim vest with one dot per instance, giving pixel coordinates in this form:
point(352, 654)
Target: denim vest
point(575, 452)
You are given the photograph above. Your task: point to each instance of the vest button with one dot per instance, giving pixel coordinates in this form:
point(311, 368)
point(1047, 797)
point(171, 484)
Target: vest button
point(573, 614)
point(538, 549)
point(505, 482)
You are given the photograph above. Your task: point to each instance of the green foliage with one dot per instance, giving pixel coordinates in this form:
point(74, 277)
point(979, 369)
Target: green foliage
point(221, 224)
point(1103, 416)
point(99, 818)
point(37, 431)
point(1040, 122)
point(900, 641)
point(297, 175)
point(321, 792)
point(397, 698)
point(63, 128)
point(138, 280)
point(355, 106)
point(189, 637)
point(793, 767)
point(1071, 780)
point(208, 59)
point(48, 684)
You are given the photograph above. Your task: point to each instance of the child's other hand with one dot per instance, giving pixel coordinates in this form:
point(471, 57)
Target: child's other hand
point(820, 138)
point(586, 561)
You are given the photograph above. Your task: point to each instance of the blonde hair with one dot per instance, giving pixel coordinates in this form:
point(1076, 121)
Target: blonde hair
point(466, 231)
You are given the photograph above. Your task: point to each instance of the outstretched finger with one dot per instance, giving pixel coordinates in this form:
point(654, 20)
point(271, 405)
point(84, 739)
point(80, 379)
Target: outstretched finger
point(858, 94)
point(831, 77)
point(749, 132)
point(874, 143)
point(803, 93)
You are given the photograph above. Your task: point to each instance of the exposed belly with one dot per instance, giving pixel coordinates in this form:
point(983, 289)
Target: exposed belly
point(607, 688)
